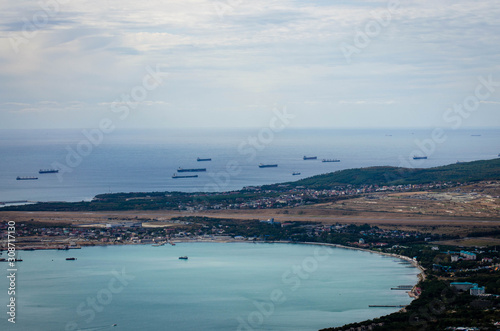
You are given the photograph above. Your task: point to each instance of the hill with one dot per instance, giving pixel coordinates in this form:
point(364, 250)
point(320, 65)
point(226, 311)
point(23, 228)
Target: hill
point(456, 173)
point(385, 175)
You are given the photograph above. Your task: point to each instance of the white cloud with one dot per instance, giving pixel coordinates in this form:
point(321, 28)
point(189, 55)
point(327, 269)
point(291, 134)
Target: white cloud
point(247, 53)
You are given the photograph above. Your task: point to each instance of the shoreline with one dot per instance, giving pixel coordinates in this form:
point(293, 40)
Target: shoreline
point(415, 263)
point(411, 293)
point(226, 241)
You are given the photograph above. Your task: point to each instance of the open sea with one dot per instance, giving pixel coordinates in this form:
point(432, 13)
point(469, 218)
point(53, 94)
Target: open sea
point(145, 160)
point(221, 287)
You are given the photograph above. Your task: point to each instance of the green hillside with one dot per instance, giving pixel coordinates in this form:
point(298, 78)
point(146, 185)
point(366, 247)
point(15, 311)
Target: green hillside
point(461, 172)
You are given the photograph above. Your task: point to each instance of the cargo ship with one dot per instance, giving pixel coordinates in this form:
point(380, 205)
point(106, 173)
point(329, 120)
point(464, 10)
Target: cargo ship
point(420, 157)
point(26, 178)
point(267, 165)
point(330, 160)
point(192, 170)
point(201, 160)
point(310, 158)
point(184, 176)
point(48, 171)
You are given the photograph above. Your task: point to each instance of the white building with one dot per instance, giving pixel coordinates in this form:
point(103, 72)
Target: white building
point(468, 255)
point(476, 290)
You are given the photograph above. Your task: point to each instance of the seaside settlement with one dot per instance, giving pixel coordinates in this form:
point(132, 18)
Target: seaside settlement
point(451, 235)
point(468, 277)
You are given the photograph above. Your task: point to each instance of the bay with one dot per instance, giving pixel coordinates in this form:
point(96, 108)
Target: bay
point(219, 286)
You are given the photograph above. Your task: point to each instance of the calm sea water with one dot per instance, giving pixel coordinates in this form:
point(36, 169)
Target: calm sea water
point(220, 286)
point(139, 161)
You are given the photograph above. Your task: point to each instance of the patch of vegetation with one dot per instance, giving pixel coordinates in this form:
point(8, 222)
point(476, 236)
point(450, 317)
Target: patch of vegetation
point(385, 175)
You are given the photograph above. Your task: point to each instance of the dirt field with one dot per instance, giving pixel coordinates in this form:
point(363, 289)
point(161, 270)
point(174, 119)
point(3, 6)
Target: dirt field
point(456, 211)
point(433, 224)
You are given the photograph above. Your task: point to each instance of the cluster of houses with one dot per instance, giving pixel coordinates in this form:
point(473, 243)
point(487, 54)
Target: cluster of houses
point(300, 195)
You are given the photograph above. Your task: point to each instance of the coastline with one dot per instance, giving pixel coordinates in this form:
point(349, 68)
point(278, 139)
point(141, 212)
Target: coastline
point(262, 248)
point(421, 275)
point(412, 293)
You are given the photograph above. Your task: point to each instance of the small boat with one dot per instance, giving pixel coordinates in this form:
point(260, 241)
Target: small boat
point(26, 178)
point(183, 257)
point(267, 165)
point(420, 157)
point(48, 171)
point(203, 160)
point(70, 258)
point(310, 157)
point(330, 160)
point(296, 174)
point(192, 170)
point(184, 176)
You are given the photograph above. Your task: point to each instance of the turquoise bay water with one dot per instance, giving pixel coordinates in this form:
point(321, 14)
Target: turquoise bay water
point(297, 287)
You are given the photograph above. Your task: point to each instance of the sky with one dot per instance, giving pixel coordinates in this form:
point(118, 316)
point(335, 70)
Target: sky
point(236, 63)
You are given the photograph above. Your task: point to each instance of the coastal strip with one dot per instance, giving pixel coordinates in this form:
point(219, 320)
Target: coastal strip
point(414, 262)
point(414, 293)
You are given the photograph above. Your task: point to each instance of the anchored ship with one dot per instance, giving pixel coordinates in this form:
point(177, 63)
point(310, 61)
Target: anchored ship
point(48, 171)
point(330, 160)
point(184, 176)
point(296, 173)
point(310, 157)
point(192, 170)
point(420, 157)
point(27, 178)
point(267, 165)
point(201, 160)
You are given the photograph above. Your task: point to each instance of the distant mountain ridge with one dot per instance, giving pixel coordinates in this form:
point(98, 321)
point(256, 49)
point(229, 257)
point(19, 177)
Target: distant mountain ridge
point(386, 175)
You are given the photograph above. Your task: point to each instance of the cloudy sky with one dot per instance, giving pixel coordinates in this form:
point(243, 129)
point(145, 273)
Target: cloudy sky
point(229, 63)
